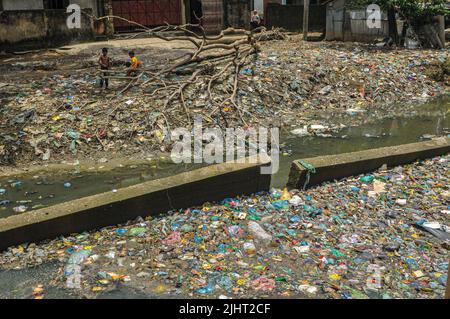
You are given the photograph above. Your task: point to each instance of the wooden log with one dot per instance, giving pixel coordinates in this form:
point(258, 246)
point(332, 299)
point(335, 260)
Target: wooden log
point(305, 19)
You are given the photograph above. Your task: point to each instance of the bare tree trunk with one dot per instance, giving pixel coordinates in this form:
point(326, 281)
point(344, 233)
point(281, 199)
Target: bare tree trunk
point(440, 20)
point(429, 36)
point(392, 21)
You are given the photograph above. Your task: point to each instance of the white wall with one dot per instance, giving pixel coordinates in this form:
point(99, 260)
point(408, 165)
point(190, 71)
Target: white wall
point(23, 5)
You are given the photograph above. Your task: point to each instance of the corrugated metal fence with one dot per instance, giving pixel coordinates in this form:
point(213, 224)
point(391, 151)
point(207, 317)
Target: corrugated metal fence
point(351, 25)
point(146, 12)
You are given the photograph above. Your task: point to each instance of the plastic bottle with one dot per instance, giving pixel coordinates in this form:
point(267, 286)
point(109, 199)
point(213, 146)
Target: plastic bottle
point(78, 257)
point(74, 260)
point(258, 232)
point(250, 248)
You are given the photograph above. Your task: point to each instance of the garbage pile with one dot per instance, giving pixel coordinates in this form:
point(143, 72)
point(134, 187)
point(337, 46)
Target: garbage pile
point(381, 235)
point(64, 115)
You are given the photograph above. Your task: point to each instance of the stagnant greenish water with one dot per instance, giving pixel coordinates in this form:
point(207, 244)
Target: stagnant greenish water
point(46, 189)
point(423, 122)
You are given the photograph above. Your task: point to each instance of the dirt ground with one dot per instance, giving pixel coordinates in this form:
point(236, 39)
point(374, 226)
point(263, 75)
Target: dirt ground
point(52, 109)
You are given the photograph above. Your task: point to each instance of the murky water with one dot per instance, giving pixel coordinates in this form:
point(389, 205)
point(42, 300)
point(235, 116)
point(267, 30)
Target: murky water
point(426, 121)
point(39, 190)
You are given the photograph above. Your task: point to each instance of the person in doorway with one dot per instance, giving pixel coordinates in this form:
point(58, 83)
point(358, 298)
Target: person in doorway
point(255, 20)
point(105, 63)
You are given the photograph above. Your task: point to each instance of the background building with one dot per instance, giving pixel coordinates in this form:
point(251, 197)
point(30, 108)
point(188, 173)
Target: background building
point(29, 24)
point(26, 24)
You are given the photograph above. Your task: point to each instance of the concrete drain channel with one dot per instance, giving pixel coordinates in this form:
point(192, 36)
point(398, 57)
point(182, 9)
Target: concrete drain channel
point(195, 187)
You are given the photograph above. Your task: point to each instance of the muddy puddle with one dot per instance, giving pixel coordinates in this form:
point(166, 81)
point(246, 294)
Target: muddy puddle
point(29, 192)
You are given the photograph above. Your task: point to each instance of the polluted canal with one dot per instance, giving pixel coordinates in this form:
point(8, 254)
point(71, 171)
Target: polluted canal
point(19, 194)
point(372, 236)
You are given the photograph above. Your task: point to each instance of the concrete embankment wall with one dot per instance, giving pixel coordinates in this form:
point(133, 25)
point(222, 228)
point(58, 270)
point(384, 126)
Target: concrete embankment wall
point(335, 167)
point(184, 190)
point(35, 29)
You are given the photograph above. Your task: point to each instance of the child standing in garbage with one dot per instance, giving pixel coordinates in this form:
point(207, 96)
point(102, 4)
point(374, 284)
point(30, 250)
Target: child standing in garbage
point(105, 63)
point(133, 64)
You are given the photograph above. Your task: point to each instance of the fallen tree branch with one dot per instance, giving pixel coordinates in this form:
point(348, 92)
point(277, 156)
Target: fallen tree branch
point(212, 60)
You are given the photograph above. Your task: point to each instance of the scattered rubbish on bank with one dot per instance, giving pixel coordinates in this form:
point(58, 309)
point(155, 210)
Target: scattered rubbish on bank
point(329, 241)
point(60, 113)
